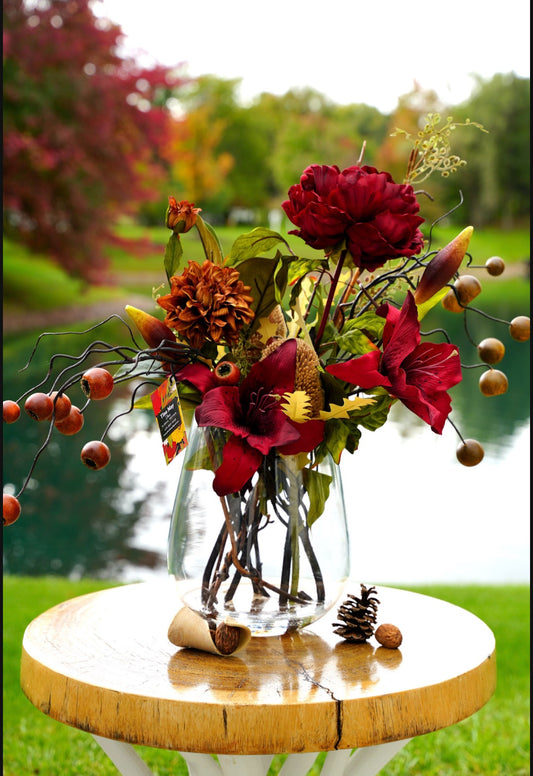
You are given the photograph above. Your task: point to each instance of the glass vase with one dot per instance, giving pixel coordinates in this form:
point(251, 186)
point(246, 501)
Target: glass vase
point(274, 556)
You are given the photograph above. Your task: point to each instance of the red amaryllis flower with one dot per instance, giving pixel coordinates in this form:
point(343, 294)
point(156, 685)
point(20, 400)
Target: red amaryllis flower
point(418, 374)
point(252, 413)
point(377, 217)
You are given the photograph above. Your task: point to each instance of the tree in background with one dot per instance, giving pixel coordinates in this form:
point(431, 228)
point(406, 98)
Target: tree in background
point(84, 131)
point(496, 181)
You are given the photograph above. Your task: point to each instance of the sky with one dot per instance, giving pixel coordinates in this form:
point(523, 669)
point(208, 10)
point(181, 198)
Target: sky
point(351, 51)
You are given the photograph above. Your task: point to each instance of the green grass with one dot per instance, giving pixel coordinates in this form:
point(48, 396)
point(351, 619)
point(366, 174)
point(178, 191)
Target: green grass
point(493, 742)
point(33, 282)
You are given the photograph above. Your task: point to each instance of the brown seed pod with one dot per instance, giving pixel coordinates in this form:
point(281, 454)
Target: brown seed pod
point(389, 636)
point(226, 638)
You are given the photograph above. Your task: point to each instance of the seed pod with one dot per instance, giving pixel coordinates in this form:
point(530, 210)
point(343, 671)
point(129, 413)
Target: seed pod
point(152, 330)
point(443, 266)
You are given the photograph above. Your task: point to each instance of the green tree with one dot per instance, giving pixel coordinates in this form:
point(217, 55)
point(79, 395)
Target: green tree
point(496, 180)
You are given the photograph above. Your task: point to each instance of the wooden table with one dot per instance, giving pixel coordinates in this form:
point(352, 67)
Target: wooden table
point(102, 663)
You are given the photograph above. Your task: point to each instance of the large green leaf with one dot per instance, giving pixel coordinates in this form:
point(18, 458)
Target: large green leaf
point(317, 485)
point(210, 241)
point(267, 279)
point(173, 254)
point(251, 244)
point(336, 436)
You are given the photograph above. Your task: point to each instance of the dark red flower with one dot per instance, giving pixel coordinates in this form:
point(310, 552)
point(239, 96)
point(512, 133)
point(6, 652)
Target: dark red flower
point(418, 374)
point(253, 415)
point(377, 217)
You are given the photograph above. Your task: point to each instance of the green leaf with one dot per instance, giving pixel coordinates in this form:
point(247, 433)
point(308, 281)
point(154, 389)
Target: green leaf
point(336, 436)
point(143, 403)
point(251, 244)
point(210, 241)
point(173, 254)
point(267, 279)
point(376, 414)
point(317, 485)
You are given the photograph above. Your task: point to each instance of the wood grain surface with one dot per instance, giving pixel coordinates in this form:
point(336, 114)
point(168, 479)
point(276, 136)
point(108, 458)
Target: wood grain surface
point(102, 663)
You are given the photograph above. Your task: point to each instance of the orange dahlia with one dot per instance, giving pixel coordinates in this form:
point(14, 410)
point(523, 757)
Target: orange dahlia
point(207, 302)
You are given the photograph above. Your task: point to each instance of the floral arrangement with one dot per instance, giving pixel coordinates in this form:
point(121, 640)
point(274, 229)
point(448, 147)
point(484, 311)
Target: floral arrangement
point(290, 355)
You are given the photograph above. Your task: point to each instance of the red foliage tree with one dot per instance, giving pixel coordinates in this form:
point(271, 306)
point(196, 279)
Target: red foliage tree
point(84, 131)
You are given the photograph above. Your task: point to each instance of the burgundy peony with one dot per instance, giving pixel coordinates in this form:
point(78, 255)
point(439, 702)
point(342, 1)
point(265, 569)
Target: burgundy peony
point(377, 217)
point(418, 374)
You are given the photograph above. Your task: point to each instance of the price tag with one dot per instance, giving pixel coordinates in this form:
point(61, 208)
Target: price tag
point(167, 410)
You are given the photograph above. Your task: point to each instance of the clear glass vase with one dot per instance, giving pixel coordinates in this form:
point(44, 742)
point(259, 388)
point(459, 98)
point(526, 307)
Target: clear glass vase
point(274, 557)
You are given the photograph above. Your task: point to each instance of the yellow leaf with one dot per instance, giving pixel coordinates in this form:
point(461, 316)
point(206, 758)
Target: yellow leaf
point(341, 411)
point(296, 406)
point(267, 329)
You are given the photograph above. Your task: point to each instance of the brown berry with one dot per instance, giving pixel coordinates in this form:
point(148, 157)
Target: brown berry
point(97, 383)
point(227, 638)
point(467, 287)
point(519, 328)
point(11, 509)
point(389, 636)
point(493, 383)
point(491, 350)
point(10, 411)
point(39, 406)
point(95, 455)
point(450, 302)
point(62, 405)
point(227, 373)
point(470, 452)
point(495, 265)
point(72, 423)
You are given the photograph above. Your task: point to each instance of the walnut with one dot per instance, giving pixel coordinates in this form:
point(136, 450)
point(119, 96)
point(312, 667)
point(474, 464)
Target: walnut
point(389, 636)
point(227, 638)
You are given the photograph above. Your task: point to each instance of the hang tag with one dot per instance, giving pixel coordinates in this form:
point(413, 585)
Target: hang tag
point(167, 410)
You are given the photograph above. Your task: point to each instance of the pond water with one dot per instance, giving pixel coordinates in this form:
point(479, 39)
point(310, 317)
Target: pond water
point(416, 515)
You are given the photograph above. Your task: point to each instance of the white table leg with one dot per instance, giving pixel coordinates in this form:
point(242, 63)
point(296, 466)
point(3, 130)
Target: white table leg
point(369, 760)
point(245, 765)
point(298, 764)
point(124, 757)
point(201, 764)
point(365, 761)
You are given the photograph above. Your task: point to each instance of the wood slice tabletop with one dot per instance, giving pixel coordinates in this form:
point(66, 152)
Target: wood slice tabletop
point(103, 663)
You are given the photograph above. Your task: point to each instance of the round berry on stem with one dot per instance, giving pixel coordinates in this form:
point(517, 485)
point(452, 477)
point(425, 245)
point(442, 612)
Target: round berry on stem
point(227, 373)
point(519, 328)
point(470, 452)
point(11, 509)
point(39, 406)
point(97, 383)
point(62, 405)
point(10, 411)
point(72, 423)
point(95, 455)
point(495, 265)
point(493, 383)
point(491, 350)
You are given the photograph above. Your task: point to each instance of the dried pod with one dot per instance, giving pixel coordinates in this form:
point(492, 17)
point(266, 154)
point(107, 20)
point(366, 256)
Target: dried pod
point(389, 636)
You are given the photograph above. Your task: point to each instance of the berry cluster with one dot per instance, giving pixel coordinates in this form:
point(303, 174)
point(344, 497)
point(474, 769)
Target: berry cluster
point(96, 383)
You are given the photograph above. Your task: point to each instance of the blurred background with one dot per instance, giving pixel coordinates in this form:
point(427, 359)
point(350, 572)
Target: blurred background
point(107, 112)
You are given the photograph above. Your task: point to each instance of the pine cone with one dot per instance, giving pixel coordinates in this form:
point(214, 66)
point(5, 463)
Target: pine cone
point(358, 616)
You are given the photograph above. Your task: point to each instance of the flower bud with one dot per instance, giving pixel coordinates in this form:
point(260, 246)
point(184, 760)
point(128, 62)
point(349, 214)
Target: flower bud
point(443, 266)
point(180, 216)
point(152, 330)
